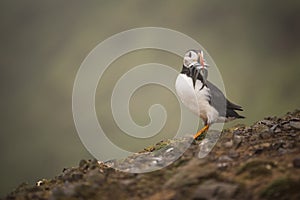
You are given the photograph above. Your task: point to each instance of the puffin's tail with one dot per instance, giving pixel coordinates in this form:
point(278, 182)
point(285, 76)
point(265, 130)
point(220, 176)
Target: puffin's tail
point(231, 110)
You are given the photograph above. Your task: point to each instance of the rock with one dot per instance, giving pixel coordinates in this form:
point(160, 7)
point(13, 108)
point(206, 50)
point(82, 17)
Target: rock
point(258, 150)
point(233, 154)
point(223, 162)
point(276, 145)
point(237, 140)
point(296, 162)
point(265, 145)
point(94, 176)
point(57, 193)
point(266, 122)
point(265, 135)
point(83, 164)
point(282, 151)
point(212, 189)
point(275, 129)
point(163, 195)
point(293, 134)
point(248, 129)
point(261, 128)
point(295, 124)
point(76, 177)
point(223, 165)
point(84, 191)
point(69, 189)
point(288, 145)
point(254, 137)
point(127, 182)
point(205, 147)
point(228, 144)
point(286, 125)
point(224, 158)
point(190, 174)
point(41, 182)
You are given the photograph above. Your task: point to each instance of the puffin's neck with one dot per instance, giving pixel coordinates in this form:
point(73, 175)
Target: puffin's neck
point(186, 71)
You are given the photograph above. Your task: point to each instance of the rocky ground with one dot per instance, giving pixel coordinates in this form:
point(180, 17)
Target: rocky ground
point(261, 161)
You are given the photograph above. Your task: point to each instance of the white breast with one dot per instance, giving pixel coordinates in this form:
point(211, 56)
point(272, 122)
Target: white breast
point(195, 99)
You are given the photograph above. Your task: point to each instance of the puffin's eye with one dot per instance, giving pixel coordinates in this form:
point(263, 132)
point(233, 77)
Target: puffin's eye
point(190, 54)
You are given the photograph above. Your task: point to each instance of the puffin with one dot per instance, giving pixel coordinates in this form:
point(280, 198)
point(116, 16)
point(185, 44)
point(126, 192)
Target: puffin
point(201, 96)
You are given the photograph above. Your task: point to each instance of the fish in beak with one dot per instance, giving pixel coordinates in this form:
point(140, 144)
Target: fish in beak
point(195, 73)
point(199, 72)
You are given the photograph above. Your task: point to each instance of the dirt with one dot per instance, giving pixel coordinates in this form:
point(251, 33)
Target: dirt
point(261, 161)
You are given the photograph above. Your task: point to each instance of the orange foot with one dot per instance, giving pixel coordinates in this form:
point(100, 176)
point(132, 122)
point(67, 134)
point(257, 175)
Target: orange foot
point(205, 128)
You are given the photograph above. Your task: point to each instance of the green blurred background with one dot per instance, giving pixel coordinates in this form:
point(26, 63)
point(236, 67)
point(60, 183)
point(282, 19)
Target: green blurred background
point(255, 44)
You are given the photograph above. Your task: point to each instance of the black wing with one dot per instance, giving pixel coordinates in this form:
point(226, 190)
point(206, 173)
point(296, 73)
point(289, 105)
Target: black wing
point(221, 104)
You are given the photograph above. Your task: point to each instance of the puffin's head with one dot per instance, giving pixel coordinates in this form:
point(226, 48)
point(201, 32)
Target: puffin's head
point(195, 62)
point(194, 58)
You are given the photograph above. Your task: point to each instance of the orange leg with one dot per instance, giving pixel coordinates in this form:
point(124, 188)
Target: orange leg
point(205, 128)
